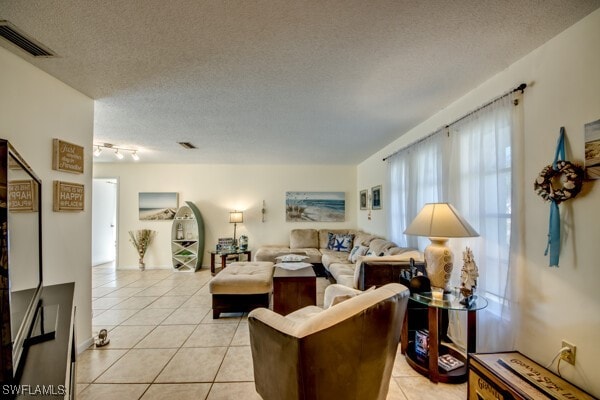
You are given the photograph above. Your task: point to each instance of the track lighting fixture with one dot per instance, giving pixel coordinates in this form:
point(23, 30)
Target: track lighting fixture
point(119, 151)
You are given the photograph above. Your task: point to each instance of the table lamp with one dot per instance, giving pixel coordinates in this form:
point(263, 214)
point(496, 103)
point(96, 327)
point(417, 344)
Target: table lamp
point(235, 217)
point(439, 221)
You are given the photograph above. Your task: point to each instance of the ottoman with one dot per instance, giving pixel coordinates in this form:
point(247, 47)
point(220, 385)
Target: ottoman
point(241, 287)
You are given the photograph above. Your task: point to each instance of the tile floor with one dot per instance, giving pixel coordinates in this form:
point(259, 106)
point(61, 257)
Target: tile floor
point(164, 344)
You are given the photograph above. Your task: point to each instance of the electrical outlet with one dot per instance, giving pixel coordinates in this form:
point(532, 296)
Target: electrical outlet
point(568, 356)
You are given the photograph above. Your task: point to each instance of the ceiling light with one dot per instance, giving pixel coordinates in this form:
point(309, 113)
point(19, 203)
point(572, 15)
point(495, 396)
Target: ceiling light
point(119, 151)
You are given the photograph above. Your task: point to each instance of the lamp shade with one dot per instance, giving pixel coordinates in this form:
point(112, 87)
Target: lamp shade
point(236, 217)
point(440, 220)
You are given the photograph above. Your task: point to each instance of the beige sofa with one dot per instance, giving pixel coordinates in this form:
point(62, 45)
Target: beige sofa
point(347, 268)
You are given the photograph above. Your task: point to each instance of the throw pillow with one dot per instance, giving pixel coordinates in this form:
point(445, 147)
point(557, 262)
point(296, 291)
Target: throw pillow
point(339, 299)
point(340, 242)
point(356, 252)
point(291, 258)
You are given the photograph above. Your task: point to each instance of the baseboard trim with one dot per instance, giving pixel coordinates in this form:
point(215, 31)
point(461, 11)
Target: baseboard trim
point(83, 346)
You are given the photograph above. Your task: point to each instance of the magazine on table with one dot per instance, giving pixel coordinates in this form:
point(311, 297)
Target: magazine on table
point(449, 362)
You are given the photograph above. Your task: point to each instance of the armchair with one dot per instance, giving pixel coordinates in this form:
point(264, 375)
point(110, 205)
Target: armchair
point(345, 351)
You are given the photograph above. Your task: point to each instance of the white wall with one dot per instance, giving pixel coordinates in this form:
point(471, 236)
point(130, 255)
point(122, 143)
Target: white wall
point(34, 109)
point(564, 90)
point(217, 190)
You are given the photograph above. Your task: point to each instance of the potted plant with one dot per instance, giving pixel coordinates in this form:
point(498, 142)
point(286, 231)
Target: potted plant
point(141, 240)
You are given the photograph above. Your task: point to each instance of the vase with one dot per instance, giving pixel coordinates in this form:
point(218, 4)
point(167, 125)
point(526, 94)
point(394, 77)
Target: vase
point(142, 265)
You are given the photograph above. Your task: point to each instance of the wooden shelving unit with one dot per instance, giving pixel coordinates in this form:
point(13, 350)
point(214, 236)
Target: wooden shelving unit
point(187, 238)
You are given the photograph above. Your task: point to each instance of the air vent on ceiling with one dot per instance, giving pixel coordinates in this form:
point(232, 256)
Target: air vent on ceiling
point(187, 145)
point(9, 32)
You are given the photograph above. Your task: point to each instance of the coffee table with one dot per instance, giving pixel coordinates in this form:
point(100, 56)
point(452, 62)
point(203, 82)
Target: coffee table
point(293, 290)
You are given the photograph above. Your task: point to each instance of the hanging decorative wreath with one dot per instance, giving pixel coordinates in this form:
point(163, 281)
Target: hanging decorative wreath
point(569, 176)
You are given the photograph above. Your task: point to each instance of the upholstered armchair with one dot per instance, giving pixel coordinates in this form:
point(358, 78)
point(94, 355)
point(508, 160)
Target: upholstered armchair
point(342, 352)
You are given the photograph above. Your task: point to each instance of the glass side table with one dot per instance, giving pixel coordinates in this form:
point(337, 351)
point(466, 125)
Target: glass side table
point(224, 256)
point(428, 366)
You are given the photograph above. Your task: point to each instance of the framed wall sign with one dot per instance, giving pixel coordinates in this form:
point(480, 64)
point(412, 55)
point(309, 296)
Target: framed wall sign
point(22, 196)
point(68, 196)
point(67, 157)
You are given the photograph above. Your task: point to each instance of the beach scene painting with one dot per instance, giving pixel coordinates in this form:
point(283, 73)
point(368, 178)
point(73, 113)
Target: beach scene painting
point(315, 206)
point(592, 150)
point(158, 206)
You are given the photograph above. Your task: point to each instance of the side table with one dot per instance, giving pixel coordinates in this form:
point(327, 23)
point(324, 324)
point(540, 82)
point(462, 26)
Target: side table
point(224, 256)
point(428, 366)
point(293, 289)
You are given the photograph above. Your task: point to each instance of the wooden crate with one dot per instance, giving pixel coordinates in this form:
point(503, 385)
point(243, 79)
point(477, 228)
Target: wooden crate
point(511, 375)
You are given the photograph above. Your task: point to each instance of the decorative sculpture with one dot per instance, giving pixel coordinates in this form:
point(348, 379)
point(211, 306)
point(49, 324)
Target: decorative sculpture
point(468, 277)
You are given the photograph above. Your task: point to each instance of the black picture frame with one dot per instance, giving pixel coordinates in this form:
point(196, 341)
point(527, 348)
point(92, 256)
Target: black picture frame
point(376, 197)
point(363, 199)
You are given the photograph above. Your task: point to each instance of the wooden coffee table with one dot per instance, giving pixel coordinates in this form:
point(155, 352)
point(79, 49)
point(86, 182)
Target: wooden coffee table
point(293, 289)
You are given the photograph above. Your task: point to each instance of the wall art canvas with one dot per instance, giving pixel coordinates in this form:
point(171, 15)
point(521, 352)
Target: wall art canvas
point(362, 196)
point(592, 150)
point(376, 197)
point(315, 206)
point(158, 206)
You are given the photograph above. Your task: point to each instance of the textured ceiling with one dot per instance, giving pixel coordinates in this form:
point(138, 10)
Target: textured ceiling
point(271, 82)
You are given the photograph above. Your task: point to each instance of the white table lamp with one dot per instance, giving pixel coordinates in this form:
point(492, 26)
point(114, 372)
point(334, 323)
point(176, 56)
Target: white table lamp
point(235, 217)
point(439, 221)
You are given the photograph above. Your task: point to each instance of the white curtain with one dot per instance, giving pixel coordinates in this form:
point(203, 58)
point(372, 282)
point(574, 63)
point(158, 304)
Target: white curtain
point(474, 166)
point(480, 175)
point(415, 177)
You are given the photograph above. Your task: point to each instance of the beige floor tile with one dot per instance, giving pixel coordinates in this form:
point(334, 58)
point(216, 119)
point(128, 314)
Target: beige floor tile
point(166, 337)
point(92, 363)
point(155, 290)
point(112, 392)
point(143, 283)
point(198, 301)
point(401, 367)
point(242, 335)
point(169, 302)
point(229, 391)
point(125, 337)
point(187, 316)
point(148, 316)
point(193, 365)
point(395, 393)
point(104, 303)
point(80, 387)
point(124, 292)
point(421, 388)
point(211, 335)
point(178, 391)
point(113, 317)
point(237, 366)
point(96, 312)
point(135, 303)
point(137, 366)
point(182, 291)
point(102, 291)
point(225, 318)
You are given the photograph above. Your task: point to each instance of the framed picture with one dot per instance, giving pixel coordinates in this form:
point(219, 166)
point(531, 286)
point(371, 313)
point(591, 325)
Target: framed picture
point(376, 197)
point(158, 206)
point(592, 150)
point(363, 199)
point(315, 206)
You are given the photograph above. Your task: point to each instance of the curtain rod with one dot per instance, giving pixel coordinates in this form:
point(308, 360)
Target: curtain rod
point(521, 88)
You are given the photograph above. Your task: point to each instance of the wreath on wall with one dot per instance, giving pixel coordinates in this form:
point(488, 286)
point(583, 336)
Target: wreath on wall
point(556, 183)
point(560, 184)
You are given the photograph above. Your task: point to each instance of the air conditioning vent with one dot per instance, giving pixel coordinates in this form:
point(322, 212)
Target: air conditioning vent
point(9, 32)
point(187, 145)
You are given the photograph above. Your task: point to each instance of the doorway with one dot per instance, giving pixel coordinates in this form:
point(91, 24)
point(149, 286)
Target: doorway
point(104, 221)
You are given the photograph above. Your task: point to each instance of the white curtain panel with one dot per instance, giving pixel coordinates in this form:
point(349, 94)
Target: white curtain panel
point(473, 164)
point(415, 178)
point(481, 170)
